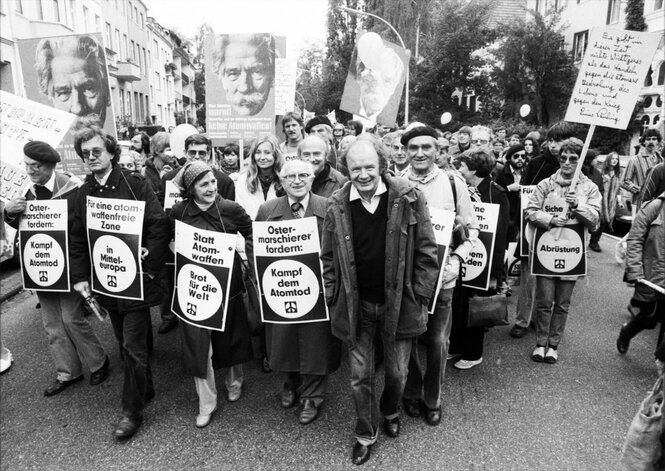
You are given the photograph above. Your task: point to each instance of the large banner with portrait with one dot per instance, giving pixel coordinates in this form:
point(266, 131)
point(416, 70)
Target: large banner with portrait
point(478, 267)
point(443, 221)
point(289, 271)
point(240, 83)
point(203, 266)
point(375, 81)
point(114, 238)
point(44, 245)
point(22, 121)
point(69, 73)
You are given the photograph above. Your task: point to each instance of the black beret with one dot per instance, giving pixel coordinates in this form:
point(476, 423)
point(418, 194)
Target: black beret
point(513, 149)
point(418, 131)
point(41, 152)
point(317, 120)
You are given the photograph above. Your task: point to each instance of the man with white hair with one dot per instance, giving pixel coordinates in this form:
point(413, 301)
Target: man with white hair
point(306, 353)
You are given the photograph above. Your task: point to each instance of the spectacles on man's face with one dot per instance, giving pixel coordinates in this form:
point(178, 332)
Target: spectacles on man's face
point(197, 153)
point(33, 167)
point(652, 138)
point(291, 177)
point(573, 159)
point(519, 155)
point(480, 142)
point(96, 152)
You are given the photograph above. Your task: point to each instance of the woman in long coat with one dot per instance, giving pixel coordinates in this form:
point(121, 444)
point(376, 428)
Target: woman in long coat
point(206, 350)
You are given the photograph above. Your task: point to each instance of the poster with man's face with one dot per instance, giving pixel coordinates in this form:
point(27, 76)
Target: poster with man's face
point(375, 82)
point(69, 73)
point(240, 80)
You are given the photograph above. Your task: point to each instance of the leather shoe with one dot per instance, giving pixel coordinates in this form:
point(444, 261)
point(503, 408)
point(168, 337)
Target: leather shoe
point(391, 427)
point(623, 342)
point(101, 374)
point(433, 416)
point(167, 326)
point(360, 453)
point(202, 420)
point(58, 386)
point(517, 331)
point(127, 427)
point(595, 247)
point(412, 407)
point(233, 394)
point(288, 398)
point(309, 412)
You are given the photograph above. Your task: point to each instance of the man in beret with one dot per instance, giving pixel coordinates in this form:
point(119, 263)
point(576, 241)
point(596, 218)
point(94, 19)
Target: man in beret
point(322, 127)
point(72, 342)
point(448, 192)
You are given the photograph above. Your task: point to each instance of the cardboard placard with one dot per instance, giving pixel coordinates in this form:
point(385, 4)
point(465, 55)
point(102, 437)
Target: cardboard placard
point(44, 242)
point(478, 267)
point(203, 266)
point(562, 256)
point(443, 221)
point(525, 194)
point(289, 271)
point(171, 195)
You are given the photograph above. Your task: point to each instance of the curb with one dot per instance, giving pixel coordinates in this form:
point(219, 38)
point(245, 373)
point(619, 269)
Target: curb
point(11, 293)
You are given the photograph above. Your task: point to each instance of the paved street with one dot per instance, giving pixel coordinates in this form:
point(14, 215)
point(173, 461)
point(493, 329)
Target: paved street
point(509, 413)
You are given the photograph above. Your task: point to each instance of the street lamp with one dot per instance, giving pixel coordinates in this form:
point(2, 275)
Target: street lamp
point(406, 82)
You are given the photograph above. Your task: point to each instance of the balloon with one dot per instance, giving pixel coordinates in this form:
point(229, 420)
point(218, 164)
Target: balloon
point(178, 136)
point(370, 47)
point(446, 118)
point(525, 110)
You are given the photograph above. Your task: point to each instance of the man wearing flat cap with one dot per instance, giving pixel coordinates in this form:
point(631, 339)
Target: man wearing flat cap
point(322, 127)
point(72, 342)
point(422, 393)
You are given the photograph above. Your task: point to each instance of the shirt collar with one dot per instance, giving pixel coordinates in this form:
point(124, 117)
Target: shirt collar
point(380, 189)
point(304, 203)
point(102, 181)
point(50, 184)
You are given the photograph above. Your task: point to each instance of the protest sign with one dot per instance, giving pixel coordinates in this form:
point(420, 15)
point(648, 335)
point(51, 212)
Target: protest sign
point(44, 245)
point(477, 268)
point(525, 194)
point(203, 266)
point(611, 76)
point(443, 221)
point(240, 97)
point(82, 89)
point(14, 182)
point(114, 237)
point(374, 84)
point(171, 195)
point(285, 77)
point(288, 270)
point(560, 252)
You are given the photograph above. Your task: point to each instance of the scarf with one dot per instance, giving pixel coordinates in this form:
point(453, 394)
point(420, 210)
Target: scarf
point(265, 182)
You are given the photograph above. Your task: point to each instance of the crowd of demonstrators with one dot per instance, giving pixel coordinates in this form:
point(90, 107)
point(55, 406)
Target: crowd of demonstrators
point(370, 192)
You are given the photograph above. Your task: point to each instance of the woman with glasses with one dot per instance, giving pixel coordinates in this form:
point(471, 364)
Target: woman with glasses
point(553, 294)
point(206, 350)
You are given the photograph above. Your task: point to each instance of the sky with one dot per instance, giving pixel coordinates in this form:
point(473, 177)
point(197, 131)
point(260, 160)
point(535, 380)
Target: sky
point(299, 20)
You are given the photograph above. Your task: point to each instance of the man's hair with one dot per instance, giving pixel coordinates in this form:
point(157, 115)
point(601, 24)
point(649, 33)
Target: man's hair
point(572, 144)
point(478, 159)
point(560, 131)
point(197, 139)
point(160, 141)
point(499, 128)
point(478, 128)
point(515, 135)
point(84, 46)
point(290, 163)
point(145, 142)
point(264, 43)
point(464, 130)
point(292, 116)
point(88, 133)
point(231, 149)
point(379, 148)
point(309, 137)
point(498, 141)
point(650, 133)
point(391, 136)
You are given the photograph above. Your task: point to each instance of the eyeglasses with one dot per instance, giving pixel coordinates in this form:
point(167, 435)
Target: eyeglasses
point(481, 142)
point(520, 155)
point(652, 138)
point(33, 167)
point(291, 177)
point(572, 159)
point(96, 152)
point(197, 153)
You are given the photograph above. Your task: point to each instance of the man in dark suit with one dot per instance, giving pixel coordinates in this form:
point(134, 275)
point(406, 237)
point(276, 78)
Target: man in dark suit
point(307, 353)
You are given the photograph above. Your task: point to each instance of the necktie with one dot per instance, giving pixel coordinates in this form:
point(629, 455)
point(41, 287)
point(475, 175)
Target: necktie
point(295, 209)
point(42, 193)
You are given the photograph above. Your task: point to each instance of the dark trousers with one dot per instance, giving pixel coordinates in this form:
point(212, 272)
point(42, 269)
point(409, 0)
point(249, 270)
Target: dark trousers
point(167, 274)
point(467, 341)
point(312, 387)
point(650, 314)
point(131, 328)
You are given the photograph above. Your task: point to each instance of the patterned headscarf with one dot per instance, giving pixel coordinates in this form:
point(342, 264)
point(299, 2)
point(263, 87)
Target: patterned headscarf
point(189, 173)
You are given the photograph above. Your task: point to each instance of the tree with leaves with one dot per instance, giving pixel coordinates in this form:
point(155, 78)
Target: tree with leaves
point(635, 15)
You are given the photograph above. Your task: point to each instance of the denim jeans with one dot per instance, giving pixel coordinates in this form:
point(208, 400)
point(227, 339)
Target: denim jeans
point(430, 354)
point(131, 330)
point(525, 306)
point(362, 357)
point(70, 336)
point(552, 303)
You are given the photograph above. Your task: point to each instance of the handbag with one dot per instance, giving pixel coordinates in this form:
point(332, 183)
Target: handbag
point(250, 297)
point(643, 449)
point(488, 311)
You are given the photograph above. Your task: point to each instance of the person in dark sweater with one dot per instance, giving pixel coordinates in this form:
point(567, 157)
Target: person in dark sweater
point(545, 165)
point(380, 269)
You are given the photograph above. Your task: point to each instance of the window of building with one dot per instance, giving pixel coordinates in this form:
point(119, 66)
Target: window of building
point(648, 81)
point(56, 11)
point(108, 37)
point(661, 74)
point(648, 101)
point(133, 53)
point(117, 40)
point(613, 11)
point(19, 6)
point(150, 66)
point(136, 15)
point(131, 10)
point(98, 23)
point(142, 23)
point(580, 42)
point(657, 4)
point(125, 50)
point(40, 9)
point(158, 81)
point(145, 63)
point(85, 18)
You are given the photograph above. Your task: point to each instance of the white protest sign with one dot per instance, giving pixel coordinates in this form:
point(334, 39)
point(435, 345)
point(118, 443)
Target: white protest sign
point(171, 195)
point(115, 227)
point(525, 194)
point(477, 268)
point(203, 266)
point(559, 252)
point(443, 221)
point(611, 76)
point(44, 245)
point(285, 84)
point(288, 269)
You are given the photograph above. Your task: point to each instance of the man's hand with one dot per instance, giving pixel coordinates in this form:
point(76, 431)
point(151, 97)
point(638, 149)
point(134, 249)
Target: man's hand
point(82, 287)
point(451, 270)
point(513, 187)
point(144, 253)
point(16, 206)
